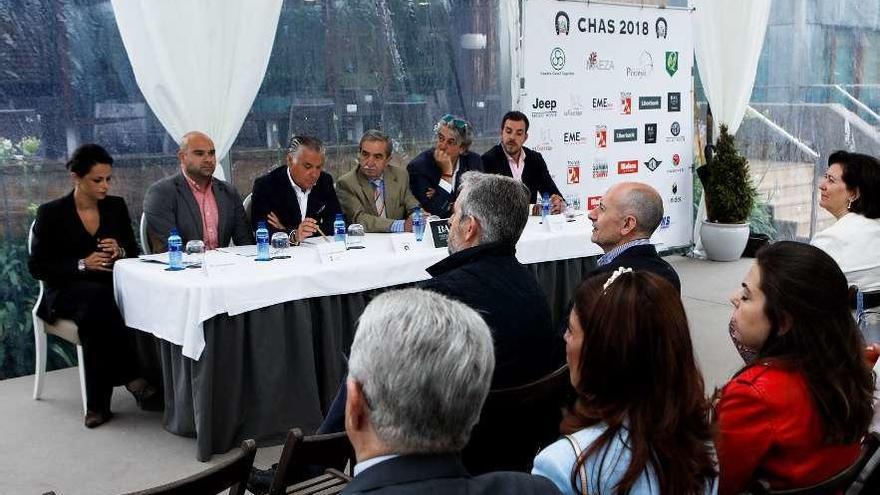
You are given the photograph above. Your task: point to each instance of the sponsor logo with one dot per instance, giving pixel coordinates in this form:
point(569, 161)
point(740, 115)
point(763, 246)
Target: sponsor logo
point(543, 108)
point(675, 131)
point(627, 134)
point(650, 102)
point(562, 23)
point(652, 164)
point(643, 68)
point(676, 161)
point(650, 133)
point(545, 143)
point(660, 27)
point(627, 166)
point(575, 137)
point(593, 202)
point(626, 103)
point(557, 63)
point(602, 104)
point(673, 102)
point(574, 175)
point(671, 63)
point(665, 222)
point(601, 137)
point(595, 63)
point(600, 169)
point(675, 198)
point(575, 108)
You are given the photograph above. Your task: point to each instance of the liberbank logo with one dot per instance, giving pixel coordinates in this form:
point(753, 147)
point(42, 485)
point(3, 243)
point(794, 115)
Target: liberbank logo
point(557, 63)
point(627, 134)
point(650, 102)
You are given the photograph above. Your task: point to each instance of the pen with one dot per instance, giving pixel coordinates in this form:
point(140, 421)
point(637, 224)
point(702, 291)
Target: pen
point(318, 218)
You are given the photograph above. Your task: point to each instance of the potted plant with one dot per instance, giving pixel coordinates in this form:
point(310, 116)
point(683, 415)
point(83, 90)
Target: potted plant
point(730, 196)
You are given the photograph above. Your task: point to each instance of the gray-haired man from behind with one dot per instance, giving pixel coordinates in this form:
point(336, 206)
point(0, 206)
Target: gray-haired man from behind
point(420, 370)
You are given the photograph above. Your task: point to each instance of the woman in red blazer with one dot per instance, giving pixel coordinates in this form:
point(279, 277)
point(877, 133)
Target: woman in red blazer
point(796, 413)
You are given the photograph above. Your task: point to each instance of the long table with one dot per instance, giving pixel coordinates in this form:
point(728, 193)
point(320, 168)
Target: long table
point(250, 349)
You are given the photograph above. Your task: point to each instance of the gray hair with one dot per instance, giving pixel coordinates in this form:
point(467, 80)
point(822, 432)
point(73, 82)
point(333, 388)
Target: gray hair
point(376, 135)
point(425, 364)
point(463, 130)
point(297, 143)
point(500, 204)
point(645, 204)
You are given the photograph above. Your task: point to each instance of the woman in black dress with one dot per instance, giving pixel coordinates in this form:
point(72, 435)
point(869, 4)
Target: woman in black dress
point(77, 239)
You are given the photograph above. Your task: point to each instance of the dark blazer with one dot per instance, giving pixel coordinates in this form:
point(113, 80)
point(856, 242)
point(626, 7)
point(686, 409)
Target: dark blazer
point(642, 257)
point(490, 279)
point(535, 174)
point(273, 193)
point(442, 474)
point(424, 174)
point(61, 240)
point(170, 203)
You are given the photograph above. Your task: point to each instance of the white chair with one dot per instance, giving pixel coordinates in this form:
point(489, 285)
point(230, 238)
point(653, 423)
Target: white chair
point(142, 230)
point(66, 329)
point(247, 206)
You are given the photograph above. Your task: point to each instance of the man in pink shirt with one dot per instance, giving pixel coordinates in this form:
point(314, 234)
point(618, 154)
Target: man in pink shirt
point(198, 205)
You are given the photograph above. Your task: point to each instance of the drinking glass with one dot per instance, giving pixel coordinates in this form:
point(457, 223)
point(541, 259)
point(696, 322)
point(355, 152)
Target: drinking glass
point(355, 237)
point(195, 254)
point(280, 242)
point(571, 207)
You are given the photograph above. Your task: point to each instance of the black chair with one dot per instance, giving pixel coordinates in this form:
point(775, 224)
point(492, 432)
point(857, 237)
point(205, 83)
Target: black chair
point(329, 483)
point(302, 453)
point(837, 483)
point(232, 474)
point(516, 423)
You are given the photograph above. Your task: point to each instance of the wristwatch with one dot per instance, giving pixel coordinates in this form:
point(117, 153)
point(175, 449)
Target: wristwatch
point(81, 265)
point(293, 238)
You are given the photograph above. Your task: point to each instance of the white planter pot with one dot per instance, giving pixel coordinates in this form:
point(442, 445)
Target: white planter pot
point(724, 241)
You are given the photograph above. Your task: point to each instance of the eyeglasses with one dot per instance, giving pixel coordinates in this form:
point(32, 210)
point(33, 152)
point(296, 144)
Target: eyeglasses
point(456, 122)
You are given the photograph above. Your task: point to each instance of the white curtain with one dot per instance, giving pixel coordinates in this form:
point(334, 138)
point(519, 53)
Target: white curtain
point(728, 38)
point(199, 63)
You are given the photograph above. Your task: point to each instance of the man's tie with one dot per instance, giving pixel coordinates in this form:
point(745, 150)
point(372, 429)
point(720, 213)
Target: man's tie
point(378, 199)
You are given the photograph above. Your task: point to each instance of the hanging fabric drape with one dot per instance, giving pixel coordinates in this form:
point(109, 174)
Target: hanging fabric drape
point(199, 63)
point(728, 38)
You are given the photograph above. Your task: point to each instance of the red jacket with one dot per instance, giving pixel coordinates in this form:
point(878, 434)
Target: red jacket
point(769, 428)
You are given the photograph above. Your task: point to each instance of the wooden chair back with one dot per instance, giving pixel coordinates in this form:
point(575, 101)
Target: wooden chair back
point(332, 450)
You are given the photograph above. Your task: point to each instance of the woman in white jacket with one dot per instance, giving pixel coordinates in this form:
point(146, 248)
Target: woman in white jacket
point(850, 191)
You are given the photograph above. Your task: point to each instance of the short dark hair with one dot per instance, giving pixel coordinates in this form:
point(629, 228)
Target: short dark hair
point(298, 142)
point(806, 294)
point(637, 370)
point(861, 172)
point(515, 116)
point(87, 156)
point(376, 135)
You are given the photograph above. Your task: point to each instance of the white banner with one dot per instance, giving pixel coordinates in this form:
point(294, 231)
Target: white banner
point(608, 93)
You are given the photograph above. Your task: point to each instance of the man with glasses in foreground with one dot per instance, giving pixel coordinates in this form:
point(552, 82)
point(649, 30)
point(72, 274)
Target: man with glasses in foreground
point(434, 174)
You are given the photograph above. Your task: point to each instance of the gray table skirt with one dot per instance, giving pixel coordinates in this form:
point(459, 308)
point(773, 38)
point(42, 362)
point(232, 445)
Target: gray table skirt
point(266, 371)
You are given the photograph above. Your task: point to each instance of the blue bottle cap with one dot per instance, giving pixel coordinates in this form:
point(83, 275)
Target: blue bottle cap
point(174, 231)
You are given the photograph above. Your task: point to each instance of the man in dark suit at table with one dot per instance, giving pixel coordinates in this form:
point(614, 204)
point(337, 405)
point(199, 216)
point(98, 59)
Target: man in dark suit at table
point(434, 174)
point(420, 370)
point(511, 158)
point(623, 223)
point(376, 194)
point(194, 202)
point(300, 197)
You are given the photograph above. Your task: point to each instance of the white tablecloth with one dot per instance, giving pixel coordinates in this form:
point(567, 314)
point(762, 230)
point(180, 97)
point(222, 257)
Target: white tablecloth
point(174, 305)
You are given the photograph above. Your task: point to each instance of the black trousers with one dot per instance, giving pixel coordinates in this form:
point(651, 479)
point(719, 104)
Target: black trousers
point(108, 347)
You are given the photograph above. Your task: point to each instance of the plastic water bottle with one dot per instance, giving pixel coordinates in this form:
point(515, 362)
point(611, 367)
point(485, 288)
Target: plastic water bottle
point(262, 242)
point(545, 207)
point(418, 224)
point(339, 228)
point(175, 254)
